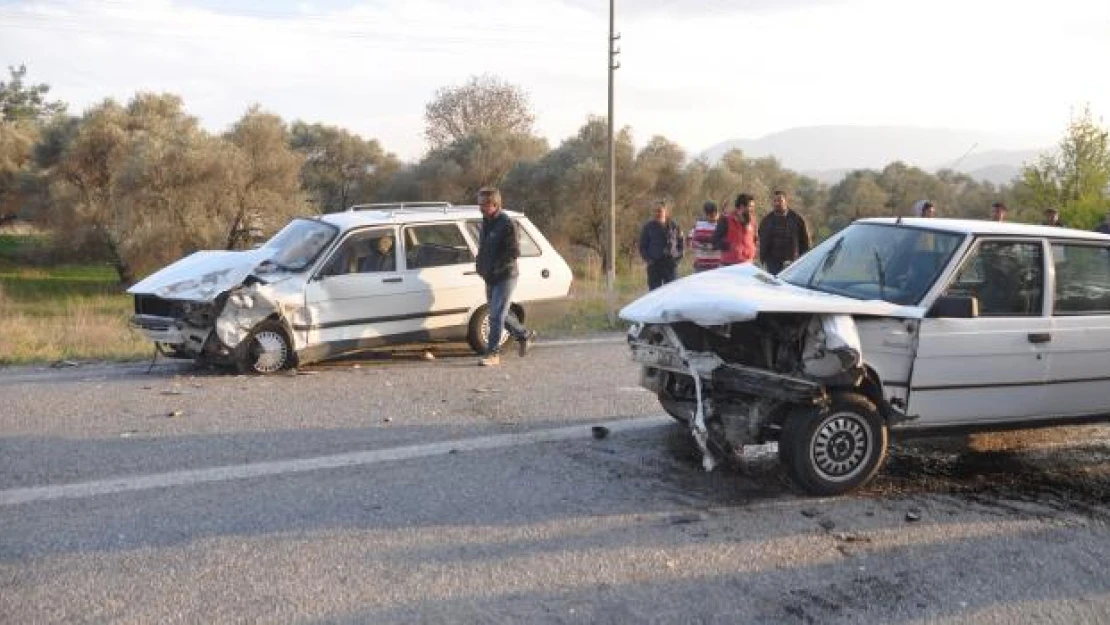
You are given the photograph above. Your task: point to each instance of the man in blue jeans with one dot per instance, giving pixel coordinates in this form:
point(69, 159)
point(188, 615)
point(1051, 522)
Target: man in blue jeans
point(498, 249)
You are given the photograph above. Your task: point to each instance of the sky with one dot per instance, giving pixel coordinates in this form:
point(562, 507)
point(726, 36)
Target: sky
point(695, 71)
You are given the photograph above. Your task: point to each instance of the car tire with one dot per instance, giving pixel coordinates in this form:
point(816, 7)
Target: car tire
point(267, 350)
point(477, 332)
point(834, 450)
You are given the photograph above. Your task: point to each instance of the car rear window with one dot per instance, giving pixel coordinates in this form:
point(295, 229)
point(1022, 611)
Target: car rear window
point(528, 245)
point(1082, 279)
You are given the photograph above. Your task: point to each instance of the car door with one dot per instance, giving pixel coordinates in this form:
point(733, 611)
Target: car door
point(358, 296)
point(439, 264)
point(991, 367)
point(1079, 346)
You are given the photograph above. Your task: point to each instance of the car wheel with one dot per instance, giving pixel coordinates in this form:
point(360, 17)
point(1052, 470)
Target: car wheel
point(266, 350)
point(477, 333)
point(835, 450)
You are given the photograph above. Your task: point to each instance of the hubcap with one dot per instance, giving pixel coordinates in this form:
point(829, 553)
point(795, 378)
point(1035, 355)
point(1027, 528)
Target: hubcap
point(270, 351)
point(485, 331)
point(841, 445)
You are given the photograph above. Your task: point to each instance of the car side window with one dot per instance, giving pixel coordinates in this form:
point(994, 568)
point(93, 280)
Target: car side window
point(1082, 279)
point(1007, 277)
point(528, 245)
point(435, 245)
point(368, 251)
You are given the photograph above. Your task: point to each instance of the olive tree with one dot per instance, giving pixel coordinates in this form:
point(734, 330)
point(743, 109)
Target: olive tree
point(485, 104)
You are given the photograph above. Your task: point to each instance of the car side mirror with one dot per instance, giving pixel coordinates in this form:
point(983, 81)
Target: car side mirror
point(955, 307)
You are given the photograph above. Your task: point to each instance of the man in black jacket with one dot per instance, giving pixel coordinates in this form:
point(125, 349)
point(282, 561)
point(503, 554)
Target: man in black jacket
point(783, 235)
point(498, 249)
point(661, 247)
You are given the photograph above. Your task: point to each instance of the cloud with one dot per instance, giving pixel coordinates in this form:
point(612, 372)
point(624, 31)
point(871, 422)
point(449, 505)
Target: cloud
point(697, 71)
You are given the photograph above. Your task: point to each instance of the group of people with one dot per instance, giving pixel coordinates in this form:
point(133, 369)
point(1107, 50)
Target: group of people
point(718, 240)
point(999, 210)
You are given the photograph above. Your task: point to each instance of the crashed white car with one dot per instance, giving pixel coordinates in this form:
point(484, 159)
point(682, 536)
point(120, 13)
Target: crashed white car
point(910, 326)
point(324, 286)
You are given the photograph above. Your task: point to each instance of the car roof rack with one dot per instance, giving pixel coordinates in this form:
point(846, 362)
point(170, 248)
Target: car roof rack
point(415, 207)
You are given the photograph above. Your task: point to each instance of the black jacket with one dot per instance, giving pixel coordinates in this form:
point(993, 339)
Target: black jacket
point(498, 248)
point(782, 238)
point(659, 242)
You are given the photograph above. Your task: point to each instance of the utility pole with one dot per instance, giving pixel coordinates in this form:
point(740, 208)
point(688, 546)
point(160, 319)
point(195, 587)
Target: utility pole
point(611, 253)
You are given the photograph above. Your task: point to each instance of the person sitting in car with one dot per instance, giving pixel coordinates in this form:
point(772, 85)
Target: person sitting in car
point(382, 258)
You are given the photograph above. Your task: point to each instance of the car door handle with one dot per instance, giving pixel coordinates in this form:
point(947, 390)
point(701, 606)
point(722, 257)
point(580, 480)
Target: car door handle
point(392, 279)
point(470, 273)
point(1039, 337)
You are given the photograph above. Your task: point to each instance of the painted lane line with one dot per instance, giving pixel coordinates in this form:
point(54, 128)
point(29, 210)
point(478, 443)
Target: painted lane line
point(82, 490)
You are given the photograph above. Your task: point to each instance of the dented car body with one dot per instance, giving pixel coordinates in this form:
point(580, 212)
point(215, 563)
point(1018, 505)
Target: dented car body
point(335, 284)
point(909, 326)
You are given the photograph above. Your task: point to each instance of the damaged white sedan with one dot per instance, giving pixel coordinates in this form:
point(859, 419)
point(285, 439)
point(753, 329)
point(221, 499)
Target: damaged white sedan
point(374, 275)
point(910, 326)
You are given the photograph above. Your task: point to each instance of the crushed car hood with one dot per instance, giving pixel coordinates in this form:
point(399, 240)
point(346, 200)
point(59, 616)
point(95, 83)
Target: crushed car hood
point(201, 276)
point(739, 293)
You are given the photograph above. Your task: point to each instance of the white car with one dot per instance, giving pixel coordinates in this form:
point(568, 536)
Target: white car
point(334, 284)
point(911, 326)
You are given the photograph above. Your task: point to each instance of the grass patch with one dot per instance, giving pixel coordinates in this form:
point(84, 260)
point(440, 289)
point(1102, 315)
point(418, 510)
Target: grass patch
point(65, 313)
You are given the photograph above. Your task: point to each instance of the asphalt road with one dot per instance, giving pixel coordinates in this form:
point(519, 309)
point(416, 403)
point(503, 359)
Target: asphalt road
point(405, 490)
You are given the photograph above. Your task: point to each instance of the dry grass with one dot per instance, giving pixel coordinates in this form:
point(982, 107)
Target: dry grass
point(63, 324)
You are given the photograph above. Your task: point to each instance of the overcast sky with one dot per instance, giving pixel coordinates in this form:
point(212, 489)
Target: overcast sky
point(695, 71)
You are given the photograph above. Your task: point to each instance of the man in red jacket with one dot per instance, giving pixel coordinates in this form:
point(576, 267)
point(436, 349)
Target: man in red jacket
point(736, 233)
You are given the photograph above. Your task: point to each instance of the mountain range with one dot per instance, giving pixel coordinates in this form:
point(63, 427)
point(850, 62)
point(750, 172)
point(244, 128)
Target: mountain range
point(827, 153)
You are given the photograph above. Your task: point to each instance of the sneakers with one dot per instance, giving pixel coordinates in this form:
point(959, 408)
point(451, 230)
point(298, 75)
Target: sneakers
point(491, 360)
point(524, 344)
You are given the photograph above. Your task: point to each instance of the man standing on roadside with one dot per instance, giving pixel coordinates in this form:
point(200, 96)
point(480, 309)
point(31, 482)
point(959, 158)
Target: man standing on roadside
point(1052, 218)
point(735, 235)
point(924, 208)
point(706, 254)
point(661, 246)
point(783, 235)
point(998, 212)
point(498, 249)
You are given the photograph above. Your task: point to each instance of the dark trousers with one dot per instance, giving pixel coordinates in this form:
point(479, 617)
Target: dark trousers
point(499, 295)
point(660, 272)
point(773, 266)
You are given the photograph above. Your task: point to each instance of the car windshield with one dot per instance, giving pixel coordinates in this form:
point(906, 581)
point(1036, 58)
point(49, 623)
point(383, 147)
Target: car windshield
point(894, 263)
point(298, 244)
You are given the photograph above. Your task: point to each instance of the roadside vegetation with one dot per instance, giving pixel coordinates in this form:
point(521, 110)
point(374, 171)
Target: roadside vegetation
point(79, 313)
point(105, 197)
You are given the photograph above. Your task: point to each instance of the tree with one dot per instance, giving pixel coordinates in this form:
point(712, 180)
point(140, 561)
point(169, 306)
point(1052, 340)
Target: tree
point(145, 181)
point(26, 102)
point(17, 142)
point(268, 189)
point(456, 171)
point(1076, 178)
point(857, 195)
point(484, 104)
point(340, 167)
point(23, 110)
point(571, 188)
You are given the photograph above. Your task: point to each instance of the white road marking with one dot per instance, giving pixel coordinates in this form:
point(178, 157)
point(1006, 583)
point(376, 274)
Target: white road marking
point(603, 340)
point(83, 490)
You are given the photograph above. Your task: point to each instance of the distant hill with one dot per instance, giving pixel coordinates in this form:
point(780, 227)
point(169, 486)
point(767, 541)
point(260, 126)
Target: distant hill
point(829, 152)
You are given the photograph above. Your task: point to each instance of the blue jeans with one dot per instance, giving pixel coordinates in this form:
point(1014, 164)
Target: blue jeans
point(499, 295)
